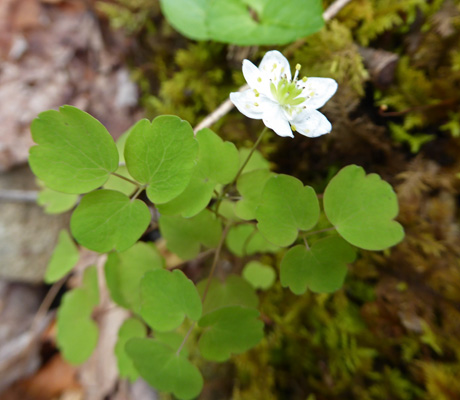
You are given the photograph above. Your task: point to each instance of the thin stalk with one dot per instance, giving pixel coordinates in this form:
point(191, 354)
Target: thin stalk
point(208, 284)
point(254, 147)
point(332, 228)
point(139, 191)
point(214, 263)
point(185, 338)
point(227, 187)
point(125, 178)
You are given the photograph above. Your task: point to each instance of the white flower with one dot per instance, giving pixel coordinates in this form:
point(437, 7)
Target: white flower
point(282, 102)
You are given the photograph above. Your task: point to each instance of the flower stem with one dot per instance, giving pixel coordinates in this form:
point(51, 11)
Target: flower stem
point(254, 147)
point(125, 178)
point(240, 171)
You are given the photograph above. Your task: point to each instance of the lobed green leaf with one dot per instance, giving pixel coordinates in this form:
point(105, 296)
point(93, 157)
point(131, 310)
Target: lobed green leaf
point(185, 236)
point(131, 328)
point(229, 330)
point(167, 297)
point(286, 207)
point(232, 21)
point(65, 256)
point(234, 291)
point(124, 272)
point(164, 369)
point(250, 186)
point(322, 268)
point(77, 333)
point(162, 154)
point(217, 164)
point(56, 202)
point(245, 239)
point(362, 209)
point(260, 276)
point(108, 220)
point(74, 152)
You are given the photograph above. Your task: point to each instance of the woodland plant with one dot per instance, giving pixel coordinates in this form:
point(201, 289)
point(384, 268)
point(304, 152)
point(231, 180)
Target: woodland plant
point(210, 197)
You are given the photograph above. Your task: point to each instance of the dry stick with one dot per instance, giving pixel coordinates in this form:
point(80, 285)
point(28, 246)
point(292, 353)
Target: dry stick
point(23, 196)
point(227, 105)
point(47, 301)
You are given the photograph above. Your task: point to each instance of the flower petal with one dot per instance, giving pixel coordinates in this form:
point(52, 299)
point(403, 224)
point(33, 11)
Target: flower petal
point(311, 123)
point(255, 78)
point(275, 65)
point(317, 91)
point(248, 104)
point(275, 119)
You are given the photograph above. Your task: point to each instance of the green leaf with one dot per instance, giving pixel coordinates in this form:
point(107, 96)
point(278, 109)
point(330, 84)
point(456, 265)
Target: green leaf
point(106, 220)
point(167, 297)
point(124, 272)
point(257, 160)
point(229, 330)
point(56, 202)
point(232, 21)
point(131, 328)
point(77, 333)
point(192, 200)
point(217, 164)
point(227, 210)
point(162, 368)
point(65, 257)
point(184, 237)
point(322, 268)
point(162, 154)
point(246, 240)
point(286, 207)
point(218, 160)
point(234, 291)
point(250, 186)
point(259, 275)
point(75, 153)
point(362, 209)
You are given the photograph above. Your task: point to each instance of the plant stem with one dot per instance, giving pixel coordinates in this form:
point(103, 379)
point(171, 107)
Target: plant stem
point(214, 263)
point(139, 191)
point(125, 178)
point(226, 188)
point(306, 243)
point(185, 338)
point(254, 147)
point(208, 283)
point(332, 228)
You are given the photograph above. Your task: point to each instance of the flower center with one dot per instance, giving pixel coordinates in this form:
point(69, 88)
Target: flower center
point(286, 91)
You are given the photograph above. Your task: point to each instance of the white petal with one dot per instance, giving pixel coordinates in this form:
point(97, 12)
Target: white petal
point(317, 91)
point(311, 123)
point(248, 104)
point(275, 119)
point(255, 78)
point(275, 65)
